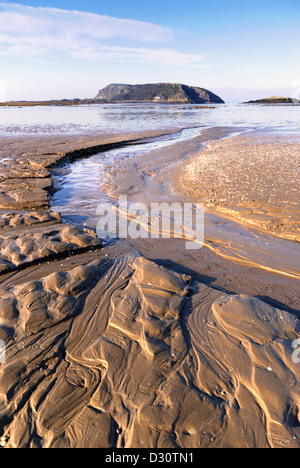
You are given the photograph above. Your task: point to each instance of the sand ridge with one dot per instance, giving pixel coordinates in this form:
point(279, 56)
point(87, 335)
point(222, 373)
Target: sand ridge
point(124, 353)
point(31, 238)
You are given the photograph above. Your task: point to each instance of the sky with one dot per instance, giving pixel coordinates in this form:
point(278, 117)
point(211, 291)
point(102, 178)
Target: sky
point(240, 50)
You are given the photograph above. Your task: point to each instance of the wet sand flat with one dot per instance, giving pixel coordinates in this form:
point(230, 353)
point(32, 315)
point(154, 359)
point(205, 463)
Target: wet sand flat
point(149, 370)
point(25, 178)
point(251, 178)
point(142, 344)
point(153, 177)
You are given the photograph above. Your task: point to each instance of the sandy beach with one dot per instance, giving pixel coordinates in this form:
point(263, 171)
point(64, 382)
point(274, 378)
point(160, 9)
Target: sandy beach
point(141, 343)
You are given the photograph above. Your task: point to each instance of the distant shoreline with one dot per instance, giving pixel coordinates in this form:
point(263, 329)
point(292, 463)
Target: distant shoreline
point(274, 100)
point(63, 102)
point(67, 103)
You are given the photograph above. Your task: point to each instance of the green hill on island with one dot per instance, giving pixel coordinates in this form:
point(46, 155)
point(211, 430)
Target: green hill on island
point(160, 92)
point(275, 100)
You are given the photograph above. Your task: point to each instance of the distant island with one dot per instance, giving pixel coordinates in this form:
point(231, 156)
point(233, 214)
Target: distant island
point(274, 100)
point(114, 93)
point(160, 92)
point(62, 102)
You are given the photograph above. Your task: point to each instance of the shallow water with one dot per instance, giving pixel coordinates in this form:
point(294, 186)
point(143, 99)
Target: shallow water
point(78, 189)
point(130, 117)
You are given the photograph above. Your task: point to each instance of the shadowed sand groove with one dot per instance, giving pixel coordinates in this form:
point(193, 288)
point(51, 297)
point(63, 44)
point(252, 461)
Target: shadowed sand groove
point(37, 237)
point(123, 343)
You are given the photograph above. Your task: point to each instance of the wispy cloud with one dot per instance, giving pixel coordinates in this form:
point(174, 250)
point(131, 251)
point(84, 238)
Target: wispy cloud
point(160, 56)
point(29, 22)
point(38, 31)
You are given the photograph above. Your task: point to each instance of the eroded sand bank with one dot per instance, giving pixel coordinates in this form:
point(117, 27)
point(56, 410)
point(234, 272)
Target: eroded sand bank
point(105, 348)
point(25, 177)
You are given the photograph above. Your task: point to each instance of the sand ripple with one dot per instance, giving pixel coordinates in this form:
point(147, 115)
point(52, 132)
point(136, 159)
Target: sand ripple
point(124, 353)
point(253, 179)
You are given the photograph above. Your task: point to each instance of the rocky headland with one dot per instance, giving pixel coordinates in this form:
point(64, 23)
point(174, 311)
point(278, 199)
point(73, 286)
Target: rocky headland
point(160, 92)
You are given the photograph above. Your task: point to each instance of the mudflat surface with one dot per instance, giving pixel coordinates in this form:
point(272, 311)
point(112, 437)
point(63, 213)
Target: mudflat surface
point(250, 178)
point(142, 343)
point(25, 177)
point(121, 352)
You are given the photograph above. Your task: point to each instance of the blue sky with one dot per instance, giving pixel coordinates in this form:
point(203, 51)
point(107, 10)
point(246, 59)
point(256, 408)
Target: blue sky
point(238, 49)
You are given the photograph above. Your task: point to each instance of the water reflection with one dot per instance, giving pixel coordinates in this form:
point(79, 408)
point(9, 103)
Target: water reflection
point(133, 117)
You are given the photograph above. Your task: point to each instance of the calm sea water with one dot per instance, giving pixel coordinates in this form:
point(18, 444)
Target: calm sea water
point(133, 117)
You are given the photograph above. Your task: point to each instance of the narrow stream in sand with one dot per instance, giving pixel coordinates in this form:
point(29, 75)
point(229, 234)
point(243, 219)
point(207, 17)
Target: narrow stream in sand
point(80, 188)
